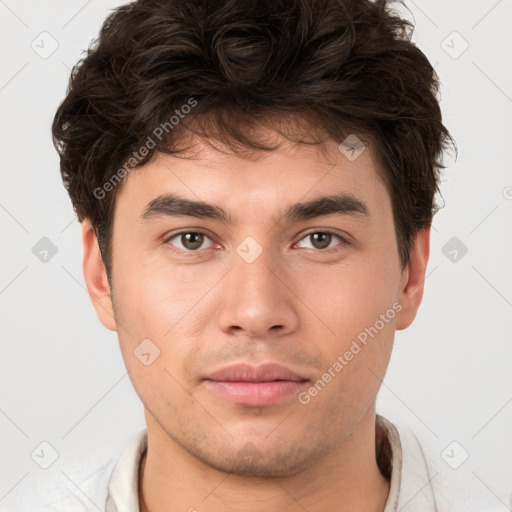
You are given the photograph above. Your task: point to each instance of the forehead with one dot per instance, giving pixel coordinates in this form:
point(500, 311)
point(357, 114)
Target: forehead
point(259, 183)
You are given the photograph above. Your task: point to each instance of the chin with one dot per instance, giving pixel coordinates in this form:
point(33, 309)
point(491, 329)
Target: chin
point(251, 461)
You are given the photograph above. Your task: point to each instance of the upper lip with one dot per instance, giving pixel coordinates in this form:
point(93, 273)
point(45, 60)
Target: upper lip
point(246, 373)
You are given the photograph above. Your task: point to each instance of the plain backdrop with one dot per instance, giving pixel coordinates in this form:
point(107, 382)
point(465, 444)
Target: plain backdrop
point(62, 375)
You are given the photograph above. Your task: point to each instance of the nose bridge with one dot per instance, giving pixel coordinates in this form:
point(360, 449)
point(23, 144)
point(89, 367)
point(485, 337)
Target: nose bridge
point(256, 298)
point(256, 271)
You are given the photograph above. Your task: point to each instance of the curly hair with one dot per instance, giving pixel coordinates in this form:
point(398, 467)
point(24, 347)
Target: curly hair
point(222, 67)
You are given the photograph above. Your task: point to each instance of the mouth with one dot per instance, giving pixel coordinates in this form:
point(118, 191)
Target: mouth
point(255, 386)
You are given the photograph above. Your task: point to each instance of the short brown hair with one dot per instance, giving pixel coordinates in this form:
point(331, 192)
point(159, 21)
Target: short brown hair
point(343, 66)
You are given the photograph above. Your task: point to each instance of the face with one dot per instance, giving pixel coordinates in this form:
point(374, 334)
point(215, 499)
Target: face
point(267, 328)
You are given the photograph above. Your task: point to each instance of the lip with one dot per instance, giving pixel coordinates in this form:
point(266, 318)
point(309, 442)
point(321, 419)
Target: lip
point(257, 386)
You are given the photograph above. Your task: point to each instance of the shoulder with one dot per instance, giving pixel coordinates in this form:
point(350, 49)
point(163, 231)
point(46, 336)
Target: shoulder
point(90, 485)
point(81, 489)
point(429, 481)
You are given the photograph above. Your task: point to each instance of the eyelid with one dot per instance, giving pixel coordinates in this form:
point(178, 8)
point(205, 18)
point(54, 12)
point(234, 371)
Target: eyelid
point(203, 231)
point(344, 239)
point(168, 237)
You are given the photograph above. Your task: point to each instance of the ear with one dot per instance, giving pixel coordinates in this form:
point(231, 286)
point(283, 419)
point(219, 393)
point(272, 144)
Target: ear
point(413, 279)
point(95, 276)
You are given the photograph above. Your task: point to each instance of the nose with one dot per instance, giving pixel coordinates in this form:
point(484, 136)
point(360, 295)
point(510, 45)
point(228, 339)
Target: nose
point(259, 300)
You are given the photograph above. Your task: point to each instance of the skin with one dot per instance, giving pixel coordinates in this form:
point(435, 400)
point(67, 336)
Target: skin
point(211, 308)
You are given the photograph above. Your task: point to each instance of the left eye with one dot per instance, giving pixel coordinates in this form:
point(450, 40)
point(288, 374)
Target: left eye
point(321, 239)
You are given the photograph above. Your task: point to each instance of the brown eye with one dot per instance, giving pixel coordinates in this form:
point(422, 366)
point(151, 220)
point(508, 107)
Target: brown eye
point(321, 239)
point(192, 241)
point(188, 240)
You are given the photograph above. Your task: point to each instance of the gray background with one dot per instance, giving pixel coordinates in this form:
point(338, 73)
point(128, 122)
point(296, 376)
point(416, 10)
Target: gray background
point(63, 379)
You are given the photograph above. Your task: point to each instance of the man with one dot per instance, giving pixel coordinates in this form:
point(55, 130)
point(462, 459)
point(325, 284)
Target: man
point(256, 185)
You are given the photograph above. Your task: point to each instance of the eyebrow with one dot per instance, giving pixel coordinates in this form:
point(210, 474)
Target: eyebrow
point(175, 205)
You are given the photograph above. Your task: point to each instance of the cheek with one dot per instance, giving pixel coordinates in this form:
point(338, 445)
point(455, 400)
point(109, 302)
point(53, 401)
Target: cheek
point(169, 306)
point(357, 305)
point(149, 294)
point(348, 299)
point(152, 307)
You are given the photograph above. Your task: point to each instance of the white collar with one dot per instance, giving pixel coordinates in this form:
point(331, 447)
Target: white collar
point(123, 495)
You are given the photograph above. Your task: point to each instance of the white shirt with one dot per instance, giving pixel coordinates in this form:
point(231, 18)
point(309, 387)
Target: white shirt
point(421, 481)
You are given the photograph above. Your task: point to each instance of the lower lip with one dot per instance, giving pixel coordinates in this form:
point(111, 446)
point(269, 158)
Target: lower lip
point(255, 393)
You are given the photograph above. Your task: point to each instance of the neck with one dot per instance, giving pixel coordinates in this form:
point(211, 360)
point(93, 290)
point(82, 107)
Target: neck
point(348, 479)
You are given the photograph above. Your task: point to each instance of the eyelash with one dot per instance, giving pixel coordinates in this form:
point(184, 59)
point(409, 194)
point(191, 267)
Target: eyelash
point(325, 231)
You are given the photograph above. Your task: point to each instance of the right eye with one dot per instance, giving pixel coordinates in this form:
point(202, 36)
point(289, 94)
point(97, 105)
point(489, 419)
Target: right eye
point(190, 241)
